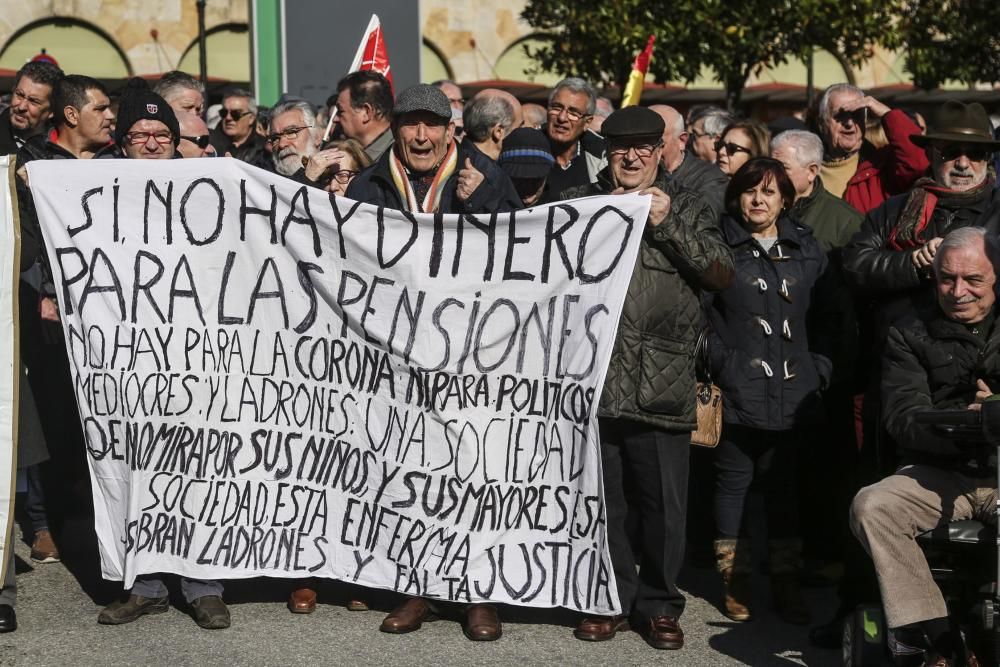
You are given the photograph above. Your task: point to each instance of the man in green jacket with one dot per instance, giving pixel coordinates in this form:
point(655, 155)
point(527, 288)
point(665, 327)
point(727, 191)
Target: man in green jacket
point(647, 406)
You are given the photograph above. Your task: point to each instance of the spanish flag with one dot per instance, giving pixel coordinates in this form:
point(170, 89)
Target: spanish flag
point(633, 89)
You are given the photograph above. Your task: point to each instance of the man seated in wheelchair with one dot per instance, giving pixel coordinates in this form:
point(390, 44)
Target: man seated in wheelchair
point(944, 359)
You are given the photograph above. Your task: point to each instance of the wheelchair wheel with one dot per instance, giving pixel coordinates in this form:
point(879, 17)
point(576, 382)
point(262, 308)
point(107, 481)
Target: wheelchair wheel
point(864, 638)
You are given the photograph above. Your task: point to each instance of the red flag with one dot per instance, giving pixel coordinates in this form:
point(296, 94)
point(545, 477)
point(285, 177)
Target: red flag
point(371, 52)
point(372, 55)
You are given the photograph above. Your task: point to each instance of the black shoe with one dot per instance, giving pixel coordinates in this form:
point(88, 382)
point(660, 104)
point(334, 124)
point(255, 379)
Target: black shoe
point(8, 619)
point(121, 612)
point(830, 635)
point(211, 613)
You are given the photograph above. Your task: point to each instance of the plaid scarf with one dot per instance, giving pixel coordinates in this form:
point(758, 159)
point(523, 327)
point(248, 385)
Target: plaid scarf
point(920, 204)
point(432, 200)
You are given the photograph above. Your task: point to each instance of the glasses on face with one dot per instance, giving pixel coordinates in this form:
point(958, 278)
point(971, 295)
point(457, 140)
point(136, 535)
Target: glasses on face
point(138, 138)
point(235, 113)
point(572, 114)
point(859, 117)
point(287, 133)
point(641, 150)
point(730, 147)
point(201, 142)
point(698, 135)
point(949, 152)
point(344, 176)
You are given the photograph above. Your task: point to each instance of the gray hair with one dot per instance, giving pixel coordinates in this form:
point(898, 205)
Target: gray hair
point(577, 85)
point(308, 115)
point(964, 237)
point(244, 93)
point(715, 119)
point(172, 83)
point(483, 112)
point(823, 112)
point(808, 147)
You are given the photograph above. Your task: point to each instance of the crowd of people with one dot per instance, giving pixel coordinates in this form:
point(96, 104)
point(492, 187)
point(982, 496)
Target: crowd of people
point(841, 266)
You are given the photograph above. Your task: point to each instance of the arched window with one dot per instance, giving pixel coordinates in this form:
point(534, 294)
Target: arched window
point(433, 64)
point(227, 48)
point(827, 70)
point(514, 63)
point(78, 47)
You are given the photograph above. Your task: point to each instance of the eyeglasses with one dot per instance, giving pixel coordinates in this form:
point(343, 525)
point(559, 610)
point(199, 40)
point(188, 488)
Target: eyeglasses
point(730, 147)
point(859, 117)
point(641, 150)
point(235, 113)
point(344, 176)
point(572, 114)
point(949, 152)
point(287, 133)
point(698, 135)
point(138, 138)
point(201, 142)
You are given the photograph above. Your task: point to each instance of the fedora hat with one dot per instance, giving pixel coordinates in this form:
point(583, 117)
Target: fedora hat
point(958, 123)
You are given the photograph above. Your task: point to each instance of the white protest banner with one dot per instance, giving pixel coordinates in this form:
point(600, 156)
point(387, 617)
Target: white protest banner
point(10, 270)
point(277, 382)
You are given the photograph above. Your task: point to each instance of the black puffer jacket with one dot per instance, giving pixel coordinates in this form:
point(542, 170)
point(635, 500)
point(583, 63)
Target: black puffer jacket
point(651, 373)
point(931, 362)
point(762, 358)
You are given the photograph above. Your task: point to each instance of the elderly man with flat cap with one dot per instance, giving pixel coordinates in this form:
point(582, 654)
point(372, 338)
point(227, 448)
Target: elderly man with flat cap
point(426, 170)
point(647, 407)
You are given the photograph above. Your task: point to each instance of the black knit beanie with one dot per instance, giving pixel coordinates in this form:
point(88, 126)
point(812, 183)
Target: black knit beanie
point(137, 103)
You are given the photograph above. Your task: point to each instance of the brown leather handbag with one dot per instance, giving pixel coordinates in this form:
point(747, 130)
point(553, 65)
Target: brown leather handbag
point(707, 398)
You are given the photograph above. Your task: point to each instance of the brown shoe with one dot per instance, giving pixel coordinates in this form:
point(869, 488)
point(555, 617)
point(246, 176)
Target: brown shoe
point(357, 605)
point(737, 595)
point(408, 617)
point(43, 549)
point(482, 623)
point(302, 601)
point(664, 632)
point(600, 628)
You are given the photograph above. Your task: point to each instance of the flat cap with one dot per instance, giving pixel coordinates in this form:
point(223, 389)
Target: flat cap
point(423, 97)
point(633, 122)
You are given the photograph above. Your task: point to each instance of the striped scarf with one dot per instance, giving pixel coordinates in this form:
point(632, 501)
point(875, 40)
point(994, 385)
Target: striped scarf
point(433, 198)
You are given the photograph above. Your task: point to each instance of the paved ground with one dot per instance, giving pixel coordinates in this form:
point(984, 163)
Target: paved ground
point(59, 603)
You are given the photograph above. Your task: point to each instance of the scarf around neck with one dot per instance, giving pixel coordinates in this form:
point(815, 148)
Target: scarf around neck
point(918, 210)
point(432, 200)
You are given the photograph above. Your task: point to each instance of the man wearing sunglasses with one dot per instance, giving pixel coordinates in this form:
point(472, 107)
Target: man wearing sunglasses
point(236, 134)
point(195, 140)
point(853, 168)
point(647, 408)
point(892, 255)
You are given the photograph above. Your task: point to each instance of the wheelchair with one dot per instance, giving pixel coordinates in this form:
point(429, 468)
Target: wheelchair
point(964, 561)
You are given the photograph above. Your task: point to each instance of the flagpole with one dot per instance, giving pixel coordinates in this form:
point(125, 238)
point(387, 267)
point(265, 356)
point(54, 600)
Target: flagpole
point(355, 64)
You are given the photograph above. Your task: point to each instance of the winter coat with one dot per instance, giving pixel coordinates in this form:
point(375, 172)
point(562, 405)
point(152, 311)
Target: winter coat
point(375, 186)
point(650, 376)
point(931, 362)
point(887, 276)
point(762, 358)
point(890, 170)
point(704, 178)
point(833, 223)
point(494, 177)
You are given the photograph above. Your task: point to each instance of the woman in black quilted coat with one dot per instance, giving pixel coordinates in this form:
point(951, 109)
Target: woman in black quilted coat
point(770, 374)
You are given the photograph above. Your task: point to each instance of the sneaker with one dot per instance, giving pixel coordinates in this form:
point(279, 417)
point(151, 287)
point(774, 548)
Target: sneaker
point(211, 613)
point(43, 549)
point(122, 612)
